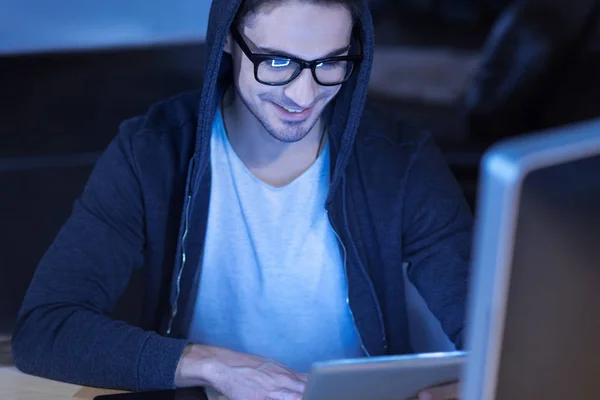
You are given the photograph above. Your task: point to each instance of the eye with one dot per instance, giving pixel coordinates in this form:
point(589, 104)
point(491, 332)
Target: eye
point(279, 63)
point(330, 65)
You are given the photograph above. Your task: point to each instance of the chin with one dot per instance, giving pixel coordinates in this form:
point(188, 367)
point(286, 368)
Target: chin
point(289, 133)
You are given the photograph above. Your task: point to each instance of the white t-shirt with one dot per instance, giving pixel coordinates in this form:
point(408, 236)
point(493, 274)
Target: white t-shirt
point(272, 281)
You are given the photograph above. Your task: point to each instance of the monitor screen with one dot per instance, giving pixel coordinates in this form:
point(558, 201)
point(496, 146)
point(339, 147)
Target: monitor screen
point(550, 348)
point(534, 326)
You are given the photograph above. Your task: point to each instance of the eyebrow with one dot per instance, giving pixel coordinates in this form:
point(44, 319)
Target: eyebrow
point(277, 52)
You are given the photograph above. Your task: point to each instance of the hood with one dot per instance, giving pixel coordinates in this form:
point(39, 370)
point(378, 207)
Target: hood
point(346, 109)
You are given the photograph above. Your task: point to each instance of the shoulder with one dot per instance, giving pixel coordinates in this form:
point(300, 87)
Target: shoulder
point(161, 142)
point(170, 122)
point(388, 140)
point(385, 128)
point(166, 115)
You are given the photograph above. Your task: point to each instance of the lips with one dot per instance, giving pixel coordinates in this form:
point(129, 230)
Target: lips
point(295, 115)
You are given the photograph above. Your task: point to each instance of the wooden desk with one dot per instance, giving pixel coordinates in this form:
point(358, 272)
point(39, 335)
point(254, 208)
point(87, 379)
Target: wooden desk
point(15, 385)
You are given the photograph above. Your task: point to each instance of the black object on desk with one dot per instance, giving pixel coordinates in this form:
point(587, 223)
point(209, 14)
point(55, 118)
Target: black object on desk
point(195, 393)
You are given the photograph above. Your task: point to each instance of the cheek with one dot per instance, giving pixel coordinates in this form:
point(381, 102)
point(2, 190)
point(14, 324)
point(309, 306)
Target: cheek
point(330, 92)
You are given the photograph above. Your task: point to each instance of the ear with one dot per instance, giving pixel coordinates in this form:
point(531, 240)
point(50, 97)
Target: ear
point(228, 48)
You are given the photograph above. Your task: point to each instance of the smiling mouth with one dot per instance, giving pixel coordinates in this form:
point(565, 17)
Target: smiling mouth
point(293, 110)
point(293, 114)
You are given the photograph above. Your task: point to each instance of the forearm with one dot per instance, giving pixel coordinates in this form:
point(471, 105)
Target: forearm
point(437, 240)
point(75, 345)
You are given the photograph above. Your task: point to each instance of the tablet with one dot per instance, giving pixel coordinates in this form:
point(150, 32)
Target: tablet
point(196, 393)
point(382, 378)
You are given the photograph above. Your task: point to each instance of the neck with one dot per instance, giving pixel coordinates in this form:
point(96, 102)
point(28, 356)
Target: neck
point(272, 161)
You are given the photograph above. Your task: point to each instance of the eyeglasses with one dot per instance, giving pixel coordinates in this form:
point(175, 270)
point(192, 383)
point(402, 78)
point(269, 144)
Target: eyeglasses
point(276, 70)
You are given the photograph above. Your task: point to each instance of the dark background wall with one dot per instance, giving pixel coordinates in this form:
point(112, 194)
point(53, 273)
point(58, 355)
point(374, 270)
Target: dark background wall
point(58, 111)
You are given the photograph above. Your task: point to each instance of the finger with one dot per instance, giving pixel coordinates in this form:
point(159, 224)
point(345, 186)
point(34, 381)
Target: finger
point(442, 392)
point(297, 381)
point(426, 395)
point(302, 377)
point(287, 395)
point(294, 385)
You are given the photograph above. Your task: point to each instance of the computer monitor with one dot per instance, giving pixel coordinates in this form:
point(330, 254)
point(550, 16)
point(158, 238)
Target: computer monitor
point(534, 309)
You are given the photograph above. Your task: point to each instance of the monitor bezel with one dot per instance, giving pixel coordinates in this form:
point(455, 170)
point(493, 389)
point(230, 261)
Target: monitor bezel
point(504, 168)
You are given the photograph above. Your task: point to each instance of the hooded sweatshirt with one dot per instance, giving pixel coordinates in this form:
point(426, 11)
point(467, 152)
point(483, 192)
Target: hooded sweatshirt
point(392, 201)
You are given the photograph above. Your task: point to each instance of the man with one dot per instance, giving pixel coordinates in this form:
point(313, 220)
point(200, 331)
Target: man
point(272, 217)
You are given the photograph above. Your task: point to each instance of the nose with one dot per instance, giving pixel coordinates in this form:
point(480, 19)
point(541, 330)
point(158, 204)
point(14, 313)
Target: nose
point(303, 89)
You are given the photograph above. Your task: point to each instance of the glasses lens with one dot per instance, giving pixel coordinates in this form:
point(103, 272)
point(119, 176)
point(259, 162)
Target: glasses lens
point(277, 70)
point(333, 72)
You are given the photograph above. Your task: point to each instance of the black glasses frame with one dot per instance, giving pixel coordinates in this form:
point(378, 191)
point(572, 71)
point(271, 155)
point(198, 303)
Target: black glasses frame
point(257, 59)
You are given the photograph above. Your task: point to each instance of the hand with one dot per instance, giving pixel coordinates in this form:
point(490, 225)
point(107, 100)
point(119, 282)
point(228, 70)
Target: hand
point(447, 391)
point(239, 376)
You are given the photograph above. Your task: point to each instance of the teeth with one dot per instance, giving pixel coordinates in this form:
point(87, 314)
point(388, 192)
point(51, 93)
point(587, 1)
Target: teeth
point(292, 111)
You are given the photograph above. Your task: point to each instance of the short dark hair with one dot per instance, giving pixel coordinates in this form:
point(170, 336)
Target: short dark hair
point(249, 7)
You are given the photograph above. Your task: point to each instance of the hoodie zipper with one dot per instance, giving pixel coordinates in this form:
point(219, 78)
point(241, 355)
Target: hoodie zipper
point(362, 345)
point(174, 306)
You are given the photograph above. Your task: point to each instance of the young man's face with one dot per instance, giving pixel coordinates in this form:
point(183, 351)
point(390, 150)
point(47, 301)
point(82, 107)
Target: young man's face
point(306, 31)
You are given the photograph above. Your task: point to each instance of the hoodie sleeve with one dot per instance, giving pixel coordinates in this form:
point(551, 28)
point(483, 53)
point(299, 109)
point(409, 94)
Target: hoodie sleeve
point(437, 238)
point(63, 331)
